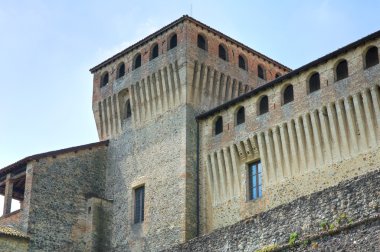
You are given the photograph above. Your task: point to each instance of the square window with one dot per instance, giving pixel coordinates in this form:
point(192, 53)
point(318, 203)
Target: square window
point(255, 180)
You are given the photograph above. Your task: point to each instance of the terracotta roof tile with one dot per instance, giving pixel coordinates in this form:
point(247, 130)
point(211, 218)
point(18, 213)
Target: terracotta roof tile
point(8, 230)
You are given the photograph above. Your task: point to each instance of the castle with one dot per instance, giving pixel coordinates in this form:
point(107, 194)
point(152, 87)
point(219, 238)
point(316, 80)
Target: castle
point(209, 145)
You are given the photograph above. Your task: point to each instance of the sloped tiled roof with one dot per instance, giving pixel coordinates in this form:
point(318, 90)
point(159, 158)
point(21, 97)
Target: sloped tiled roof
point(170, 26)
point(24, 161)
point(11, 231)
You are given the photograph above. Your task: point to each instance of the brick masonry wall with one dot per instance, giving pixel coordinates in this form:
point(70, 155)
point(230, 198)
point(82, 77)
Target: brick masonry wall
point(351, 201)
point(58, 200)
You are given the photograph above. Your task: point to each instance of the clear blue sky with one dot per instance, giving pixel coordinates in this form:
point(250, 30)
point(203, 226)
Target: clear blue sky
point(47, 47)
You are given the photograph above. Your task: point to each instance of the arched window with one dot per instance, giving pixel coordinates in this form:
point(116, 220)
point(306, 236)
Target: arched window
point(223, 53)
point(371, 57)
point(261, 72)
point(127, 110)
point(263, 105)
point(154, 52)
point(137, 61)
point(202, 42)
point(278, 75)
point(104, 79)
point(314, 83)
point(341, 70)
point(240, 116)
point(120, 70)
point(242, 64)
point(288, 95)
point(173, 41)
point(218, 125)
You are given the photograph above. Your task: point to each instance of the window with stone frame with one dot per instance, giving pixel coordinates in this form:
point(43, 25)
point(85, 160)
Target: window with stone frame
point(314, 83)
point(341, 70)
point(137, 61)
point(240, 116)
point(201, 42)
point(154, 52)
point(255, 180)
point(223, 53)
point(263, 105)
point(173, 41)
point(218, 127)
point(371, 57)
point(139, 204)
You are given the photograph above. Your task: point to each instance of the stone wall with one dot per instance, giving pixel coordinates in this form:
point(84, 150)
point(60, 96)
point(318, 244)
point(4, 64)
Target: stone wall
point(60, 190)
point(153, 156)
point(14, 244)
point(345, 217)
point(308, 144)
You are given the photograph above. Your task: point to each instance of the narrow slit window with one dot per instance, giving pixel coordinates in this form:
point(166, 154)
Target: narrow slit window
point(127, 110)
point(218, 126)
point(255, 180)
point(264, 105)
point(139, 204)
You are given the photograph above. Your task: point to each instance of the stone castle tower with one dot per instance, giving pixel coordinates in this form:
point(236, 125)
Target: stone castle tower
point(146, 98)
point(199, 132)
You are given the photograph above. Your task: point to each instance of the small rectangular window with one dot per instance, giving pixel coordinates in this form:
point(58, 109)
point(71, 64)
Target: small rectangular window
point(139, 204)
point(255, 180)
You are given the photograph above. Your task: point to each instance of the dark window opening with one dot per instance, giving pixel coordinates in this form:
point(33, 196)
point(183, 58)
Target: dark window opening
point(139, 204)
point(240, 116)
point(104, 80)
point(173, 41)
point(201, 42)
point(255, 180)
point(219, 125)
point(242, 62)
point(264, 105)
point(137, 61)
point(278, 75)
point(288, 94)
point(260, 72)
point(127, 110)
point(154, 52)
point(371, 57)
point(341, 70)
point(314, 83)
point(222, 53)
point(121, 70)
